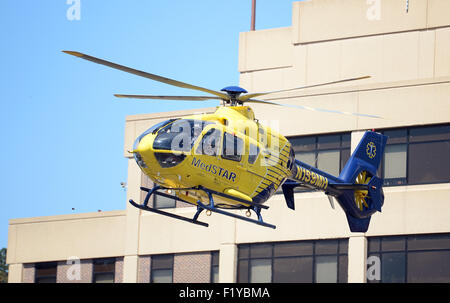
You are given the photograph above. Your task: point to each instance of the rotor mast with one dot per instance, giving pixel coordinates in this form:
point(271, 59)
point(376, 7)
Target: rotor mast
point(233, 92)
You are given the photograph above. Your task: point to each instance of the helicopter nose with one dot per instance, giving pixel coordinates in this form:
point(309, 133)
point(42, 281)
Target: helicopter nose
point(137, 143)
point(141, 150)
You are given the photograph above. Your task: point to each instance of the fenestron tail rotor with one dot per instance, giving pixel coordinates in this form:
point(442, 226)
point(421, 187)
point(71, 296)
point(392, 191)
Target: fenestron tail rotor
point(361, 196)
point(231, 95)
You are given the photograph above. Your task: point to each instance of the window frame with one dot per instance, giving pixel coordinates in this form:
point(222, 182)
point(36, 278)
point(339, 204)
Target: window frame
point(341, 242)
point(113, 272)
point(382, 172)
point(155, 203)
point(408, 143)
point(341, 148)
point(37, 277)
point(152, 269)
point(405, 251)
point(214, 254)
point(344, 139)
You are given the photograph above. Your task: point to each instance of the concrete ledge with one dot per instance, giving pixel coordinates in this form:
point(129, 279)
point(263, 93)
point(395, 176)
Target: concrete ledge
point(66, 218)
point(321, 20)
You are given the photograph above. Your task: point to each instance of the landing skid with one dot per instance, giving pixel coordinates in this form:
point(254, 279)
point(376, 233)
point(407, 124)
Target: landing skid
point(200, 206)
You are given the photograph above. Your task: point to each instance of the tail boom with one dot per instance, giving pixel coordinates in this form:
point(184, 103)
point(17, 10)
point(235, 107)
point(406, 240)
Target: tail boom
point(357, 189)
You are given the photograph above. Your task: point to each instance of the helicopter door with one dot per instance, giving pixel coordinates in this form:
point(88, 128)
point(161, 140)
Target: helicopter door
point(206, 159)
point(256, 168)
point(232, 158)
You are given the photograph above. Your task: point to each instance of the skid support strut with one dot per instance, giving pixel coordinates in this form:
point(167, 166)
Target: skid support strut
point(154, 190)
point(200, 207)
point(256, 209)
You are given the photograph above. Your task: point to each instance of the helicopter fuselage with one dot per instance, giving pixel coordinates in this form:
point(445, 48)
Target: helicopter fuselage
point(226, 151)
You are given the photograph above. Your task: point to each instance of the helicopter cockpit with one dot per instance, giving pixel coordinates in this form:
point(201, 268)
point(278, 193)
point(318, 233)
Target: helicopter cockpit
point(152, 130)
point(179, 135)
point(176, 135)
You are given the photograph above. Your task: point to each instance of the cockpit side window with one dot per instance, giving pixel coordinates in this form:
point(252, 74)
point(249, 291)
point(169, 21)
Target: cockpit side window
point(209, 145)
point(233, 147)
point(180, 135)
point(253, 153)
point(160, 125)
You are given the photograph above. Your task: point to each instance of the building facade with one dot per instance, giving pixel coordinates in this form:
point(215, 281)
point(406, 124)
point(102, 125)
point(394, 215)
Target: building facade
point(405, 50)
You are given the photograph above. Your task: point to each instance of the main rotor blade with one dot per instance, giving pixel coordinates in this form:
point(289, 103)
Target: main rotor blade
point(248, 96)
point(313, 108)
point(187, 98)
point(147, 75)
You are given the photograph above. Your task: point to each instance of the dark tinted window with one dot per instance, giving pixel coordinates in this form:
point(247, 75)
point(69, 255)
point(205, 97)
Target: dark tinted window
point(104, 270)
point(429, 267)
point(332, 141)
point(412, 258)
point(429, 162)
point(417, 155)
point(293, 270)
point(46, 272)
point(429, 133)
point(161, 269)
point(299, 261)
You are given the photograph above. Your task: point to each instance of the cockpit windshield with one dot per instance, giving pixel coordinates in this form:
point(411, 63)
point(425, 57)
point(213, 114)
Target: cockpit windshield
point(179, 135)
point(152, 129)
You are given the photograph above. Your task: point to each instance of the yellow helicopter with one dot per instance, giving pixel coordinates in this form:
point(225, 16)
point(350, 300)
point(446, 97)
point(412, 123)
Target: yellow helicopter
point(228, 160)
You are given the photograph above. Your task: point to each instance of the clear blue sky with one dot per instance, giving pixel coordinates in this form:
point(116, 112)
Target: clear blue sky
point(62, 130)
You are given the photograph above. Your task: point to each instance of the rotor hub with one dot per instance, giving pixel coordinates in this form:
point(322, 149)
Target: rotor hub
point(234, 92)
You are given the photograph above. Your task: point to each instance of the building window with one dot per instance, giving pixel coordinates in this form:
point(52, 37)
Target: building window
point(103, 270)
point(163, 202)
point(161, 269)
point(45, 272)
point(412, 258)
point(215, 267)
point(300, 261)
point(417, 155)
point(158, 201)
point(325, 152)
